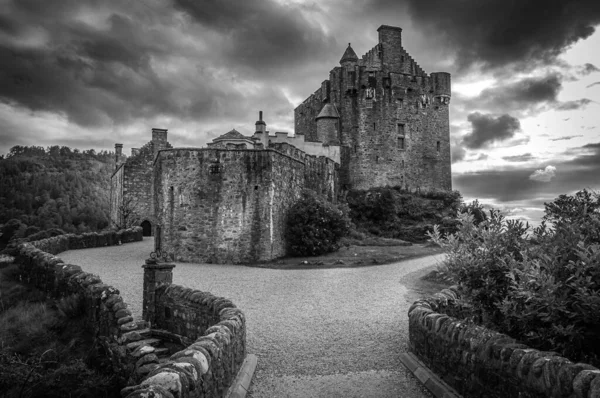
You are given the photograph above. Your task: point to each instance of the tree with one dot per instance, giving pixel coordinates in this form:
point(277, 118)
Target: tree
point(127, 214)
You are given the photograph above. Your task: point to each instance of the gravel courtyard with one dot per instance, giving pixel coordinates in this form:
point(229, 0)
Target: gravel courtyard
point(317, 333)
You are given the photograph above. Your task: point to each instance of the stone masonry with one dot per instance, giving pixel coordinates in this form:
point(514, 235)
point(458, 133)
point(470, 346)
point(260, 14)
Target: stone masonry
point(393, 118)
point(377, 121)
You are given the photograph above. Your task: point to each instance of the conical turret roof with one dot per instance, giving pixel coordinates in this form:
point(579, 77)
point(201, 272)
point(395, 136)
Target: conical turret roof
point(330, 111)
point(349, 55)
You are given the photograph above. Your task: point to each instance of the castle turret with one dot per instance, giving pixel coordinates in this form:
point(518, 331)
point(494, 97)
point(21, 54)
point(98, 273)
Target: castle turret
point(261, 126)
point(441, 86)
point(328, 125)
point(261, 134)
point(349, 57)
point(118, 155)
point(159, 139)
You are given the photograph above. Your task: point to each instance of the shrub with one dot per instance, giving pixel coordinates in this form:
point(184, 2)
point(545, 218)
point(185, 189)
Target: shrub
point(314, 226)
point(543, 289)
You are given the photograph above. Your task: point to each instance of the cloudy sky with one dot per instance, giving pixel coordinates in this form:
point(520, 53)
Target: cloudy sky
point(525, 110)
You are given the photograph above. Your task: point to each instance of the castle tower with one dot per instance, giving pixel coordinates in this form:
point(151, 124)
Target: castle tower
point(393, 118)
point(159, 139)
point(328, 125)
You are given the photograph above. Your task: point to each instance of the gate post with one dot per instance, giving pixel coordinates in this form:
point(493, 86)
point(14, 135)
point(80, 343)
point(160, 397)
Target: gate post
point(156, 275)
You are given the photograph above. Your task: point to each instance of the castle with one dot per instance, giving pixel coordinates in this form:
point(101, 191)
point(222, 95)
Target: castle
point(379, 120)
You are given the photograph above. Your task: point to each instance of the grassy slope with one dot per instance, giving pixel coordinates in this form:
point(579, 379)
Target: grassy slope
point(44, 347)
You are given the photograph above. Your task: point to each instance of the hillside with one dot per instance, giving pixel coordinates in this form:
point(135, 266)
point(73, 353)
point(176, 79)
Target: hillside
point(56, 187)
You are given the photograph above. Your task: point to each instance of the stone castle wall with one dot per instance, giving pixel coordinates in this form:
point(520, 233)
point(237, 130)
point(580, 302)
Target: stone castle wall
point(393, 118)
point(480, 362)
point(225, 206)
point(132, 182)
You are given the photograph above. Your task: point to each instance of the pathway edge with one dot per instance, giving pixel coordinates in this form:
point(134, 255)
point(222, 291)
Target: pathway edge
point(241, 384)
point(438, 387)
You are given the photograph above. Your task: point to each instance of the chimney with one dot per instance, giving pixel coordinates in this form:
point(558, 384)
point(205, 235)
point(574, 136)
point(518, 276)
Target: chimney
point(118, 154)
point(159, 139)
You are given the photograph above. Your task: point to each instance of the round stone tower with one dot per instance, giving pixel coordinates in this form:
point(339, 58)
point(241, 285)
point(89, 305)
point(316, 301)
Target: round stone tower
point(328, 122)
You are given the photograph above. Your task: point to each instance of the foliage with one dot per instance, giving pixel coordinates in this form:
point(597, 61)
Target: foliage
point(391, 212)
point(44, 347)
point(53, 188)
point(541, 286)
point(314, 226)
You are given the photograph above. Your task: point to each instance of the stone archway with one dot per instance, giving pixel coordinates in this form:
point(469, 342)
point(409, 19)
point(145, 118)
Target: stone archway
point(146, 228)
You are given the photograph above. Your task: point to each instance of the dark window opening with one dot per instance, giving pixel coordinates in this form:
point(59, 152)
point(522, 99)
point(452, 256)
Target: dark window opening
point(374, 126)
point(403, 164)
point(438, 146)
point(400, 103)
point(167, 313)
point(256, 187)
point(355, 148)
point(387, 82)
point(401, 142)
point(401, 128)
point(376, 159)
point(402, 58)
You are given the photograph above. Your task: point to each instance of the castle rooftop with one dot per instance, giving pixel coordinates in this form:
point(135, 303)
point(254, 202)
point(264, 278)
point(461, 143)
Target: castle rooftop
point(328, 111)
point(349, 55)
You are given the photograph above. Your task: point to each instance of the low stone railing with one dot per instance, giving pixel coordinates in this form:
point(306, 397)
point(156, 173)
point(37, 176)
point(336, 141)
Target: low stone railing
point(211, 328)
point(104, 309)
point(216, 328)
point(477, 361)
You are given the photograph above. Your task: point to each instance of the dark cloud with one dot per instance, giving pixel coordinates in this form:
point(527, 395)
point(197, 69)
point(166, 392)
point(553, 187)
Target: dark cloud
point(572, 105)
point(588, 68)
point(107, 64)
point(525, 157)
point(592, 85)
point(566, 137)
point(497, 33)
point(263, 34)
point(487, 129)
point(527, 94)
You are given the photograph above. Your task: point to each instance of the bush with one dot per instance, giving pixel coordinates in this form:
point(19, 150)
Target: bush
point(541, 286)
point(391, 212)
point(314, 226)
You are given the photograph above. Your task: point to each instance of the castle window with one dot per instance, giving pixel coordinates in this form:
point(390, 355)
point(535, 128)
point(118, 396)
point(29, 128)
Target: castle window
point(403, 164)
point(400, 103)
point(374, 126)
point(401, 143)
point(387, 82)
point(401, 129)
point(369, 102)
point(376, 159)
point(402, 58)
point(438, 146)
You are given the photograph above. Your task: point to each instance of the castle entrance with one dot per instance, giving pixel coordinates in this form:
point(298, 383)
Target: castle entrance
point(146, 228)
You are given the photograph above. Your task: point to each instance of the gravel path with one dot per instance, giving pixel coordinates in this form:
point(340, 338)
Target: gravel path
point(322, 332)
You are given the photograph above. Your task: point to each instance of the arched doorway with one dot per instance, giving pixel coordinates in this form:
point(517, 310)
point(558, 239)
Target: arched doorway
point(146, 228)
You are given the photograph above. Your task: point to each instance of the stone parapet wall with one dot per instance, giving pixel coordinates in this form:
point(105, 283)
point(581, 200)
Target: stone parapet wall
point(481, 362)
point(106, 313)
point(207, 367)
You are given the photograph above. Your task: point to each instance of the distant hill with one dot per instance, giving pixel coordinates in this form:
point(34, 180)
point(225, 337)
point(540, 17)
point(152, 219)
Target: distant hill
point(56, 187)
